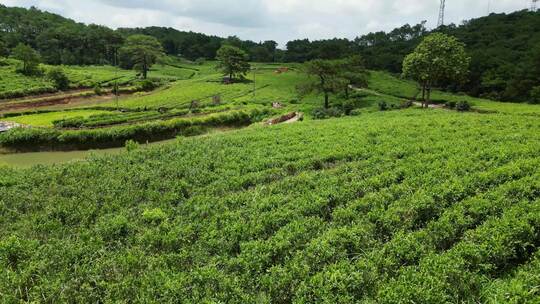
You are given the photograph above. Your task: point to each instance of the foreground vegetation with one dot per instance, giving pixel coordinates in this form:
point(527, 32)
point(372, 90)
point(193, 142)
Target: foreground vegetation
point(422, 206)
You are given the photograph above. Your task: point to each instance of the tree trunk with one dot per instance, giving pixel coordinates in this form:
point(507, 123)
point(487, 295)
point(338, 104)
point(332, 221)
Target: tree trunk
point(347, 91)
point(423, 94)
point(428, 97)
point(145, 68)
point(326, 100)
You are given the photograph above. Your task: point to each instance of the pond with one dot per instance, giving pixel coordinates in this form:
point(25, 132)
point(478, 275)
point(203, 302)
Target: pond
point(26, 160)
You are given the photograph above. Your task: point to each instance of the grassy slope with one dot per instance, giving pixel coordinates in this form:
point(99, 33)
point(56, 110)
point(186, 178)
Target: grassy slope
point(203, 84)
point(427, 206)
point(387, 84)
point(79, 76)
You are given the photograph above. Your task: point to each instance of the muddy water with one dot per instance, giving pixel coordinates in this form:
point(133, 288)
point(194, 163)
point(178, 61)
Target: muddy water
point(26, 160)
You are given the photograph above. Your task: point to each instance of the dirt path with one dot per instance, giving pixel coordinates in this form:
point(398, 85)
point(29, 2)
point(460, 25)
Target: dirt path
point(296, 118)
point(431, 106)
point(416, 103)
point(51, 102)
point(287, 118)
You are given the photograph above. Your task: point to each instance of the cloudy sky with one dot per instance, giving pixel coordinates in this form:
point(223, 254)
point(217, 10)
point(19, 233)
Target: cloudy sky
point(279, 20)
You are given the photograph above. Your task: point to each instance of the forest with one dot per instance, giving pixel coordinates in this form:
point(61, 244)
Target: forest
point(495, 43)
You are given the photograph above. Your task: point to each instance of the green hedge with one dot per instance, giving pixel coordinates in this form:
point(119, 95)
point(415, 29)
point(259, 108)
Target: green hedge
point(26, 92)
point(34, 139)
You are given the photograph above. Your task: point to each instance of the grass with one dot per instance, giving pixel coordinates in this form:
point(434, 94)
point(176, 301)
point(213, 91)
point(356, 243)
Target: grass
point(11, 81)
point(14, 85)
point(47, 119)
point(198, 84)
point(391, 85)
point(425, 206)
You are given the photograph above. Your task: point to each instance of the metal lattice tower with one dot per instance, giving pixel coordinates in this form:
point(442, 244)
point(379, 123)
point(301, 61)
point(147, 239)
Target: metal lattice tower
point(441, 13)
point(533, 5)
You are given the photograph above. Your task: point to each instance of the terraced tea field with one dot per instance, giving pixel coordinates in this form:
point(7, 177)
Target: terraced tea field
point(425, 206)
point(401, 206)
point(199, 100)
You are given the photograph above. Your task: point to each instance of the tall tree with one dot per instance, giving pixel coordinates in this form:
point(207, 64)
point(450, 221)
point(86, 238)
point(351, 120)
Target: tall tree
point(233, 61)
point(439, 58)
point(324, 77)
point(271, 46)
point(143, 51)
point(353, 72)
point(28, 56)
point(261, 54)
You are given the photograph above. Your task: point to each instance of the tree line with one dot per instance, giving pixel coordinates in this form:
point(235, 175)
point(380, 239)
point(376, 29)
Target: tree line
point(504, 48)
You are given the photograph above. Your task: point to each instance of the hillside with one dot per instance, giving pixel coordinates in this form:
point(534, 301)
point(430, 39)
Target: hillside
point(505, 48)
point(505, 52)
point(416, 205)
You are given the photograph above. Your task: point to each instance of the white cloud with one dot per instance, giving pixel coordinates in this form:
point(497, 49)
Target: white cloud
point(281, 20)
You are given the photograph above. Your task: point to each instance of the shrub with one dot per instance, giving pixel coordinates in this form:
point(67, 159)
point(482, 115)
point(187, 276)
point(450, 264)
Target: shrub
point(451, 104)
point(200, 61)
point(34, 138)
point(59, 78)
point(355, 112)
point(383, 106)
point(154, 215)
point(535, 95)
point(322, 113)
point(74, 122)
point(406, 104)
point(97, 89)
point(348, 106)
point(334, 112)
point(131, 145)
point(147, 85)
point(114, 228)
point(463, 106)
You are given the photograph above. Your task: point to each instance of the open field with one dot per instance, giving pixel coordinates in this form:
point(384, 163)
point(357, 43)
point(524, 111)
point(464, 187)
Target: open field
point(185, 100)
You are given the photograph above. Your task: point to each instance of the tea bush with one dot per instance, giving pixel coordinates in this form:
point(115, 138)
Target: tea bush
point(382, 208)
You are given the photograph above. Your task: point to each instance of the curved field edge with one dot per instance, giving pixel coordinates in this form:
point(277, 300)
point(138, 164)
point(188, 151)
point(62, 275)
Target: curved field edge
point(40, 139)
point(403, 206)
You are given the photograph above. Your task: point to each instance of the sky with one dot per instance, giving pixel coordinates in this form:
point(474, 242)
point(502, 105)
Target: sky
point(279, 20)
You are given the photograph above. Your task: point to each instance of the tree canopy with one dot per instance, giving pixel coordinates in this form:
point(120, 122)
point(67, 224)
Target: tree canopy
point(439, 58)
point(143, 52)
point(502, 47)
point(323, 78)
point(233, 61)
point(4, 52)
point(28, 56)
point(353, 72)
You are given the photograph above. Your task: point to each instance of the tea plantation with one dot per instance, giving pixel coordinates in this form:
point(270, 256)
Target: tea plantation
point(410, 206)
